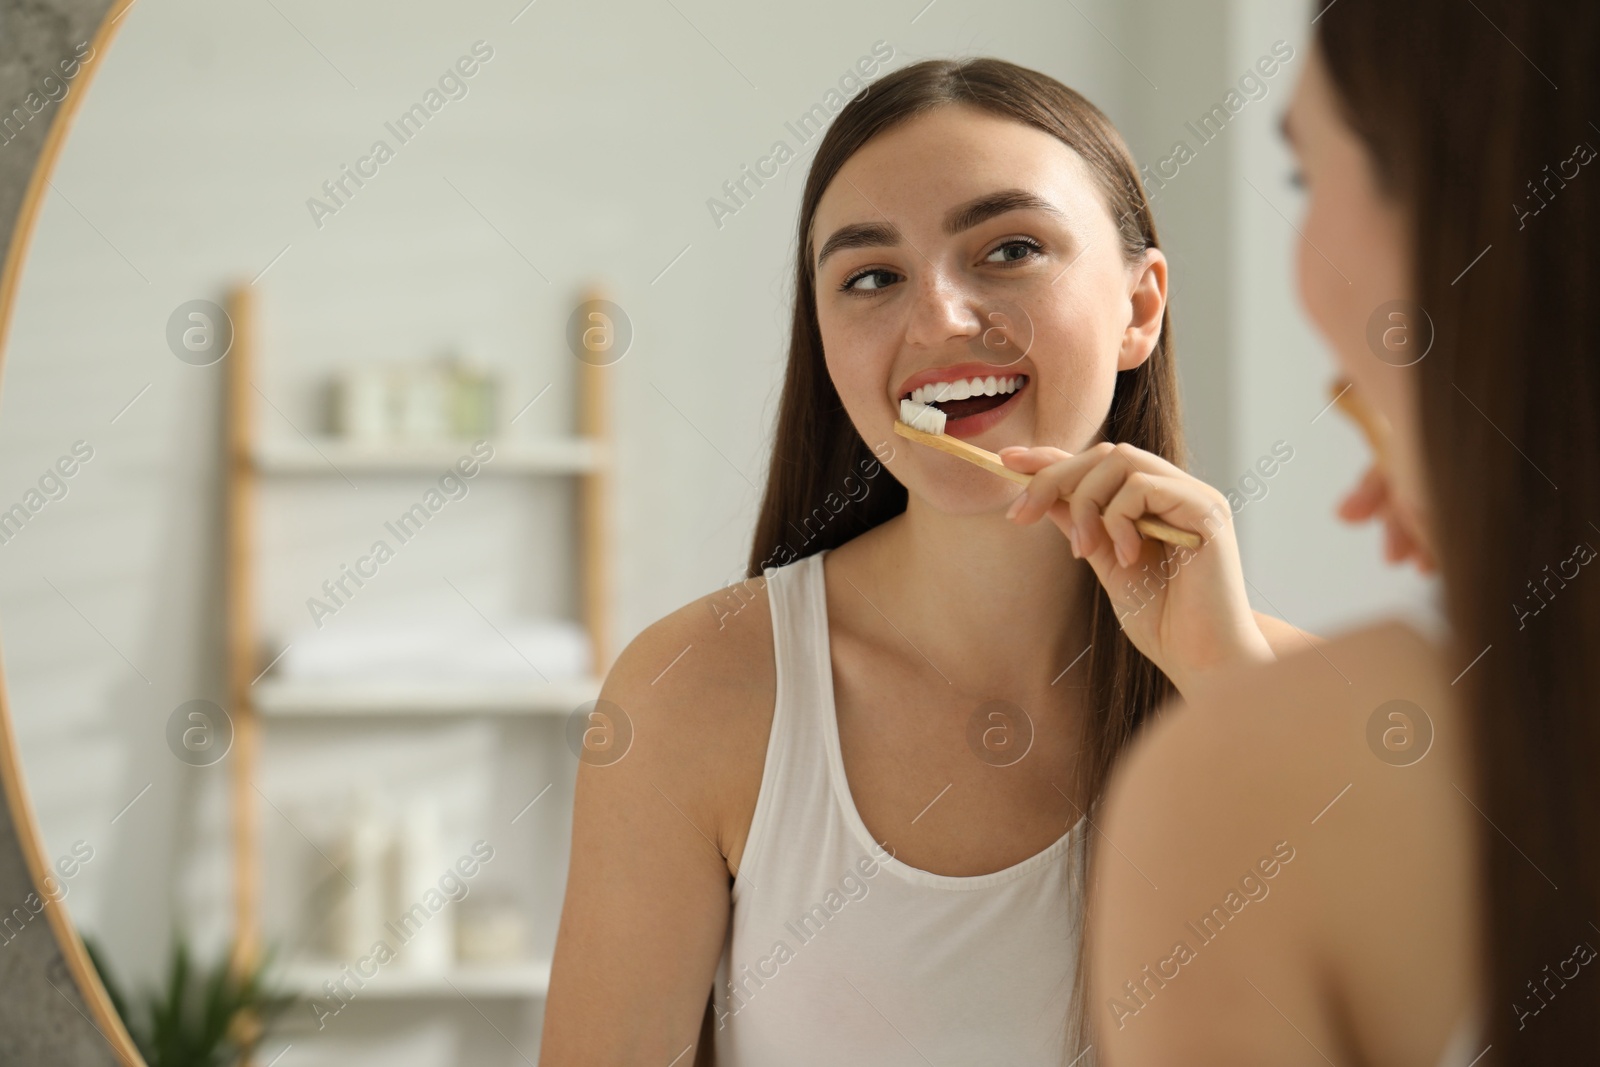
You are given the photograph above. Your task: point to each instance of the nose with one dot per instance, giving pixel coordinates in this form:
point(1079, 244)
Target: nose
point(941, 311)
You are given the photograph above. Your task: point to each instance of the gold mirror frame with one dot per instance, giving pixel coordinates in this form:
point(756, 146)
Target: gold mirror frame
point(53, 1008)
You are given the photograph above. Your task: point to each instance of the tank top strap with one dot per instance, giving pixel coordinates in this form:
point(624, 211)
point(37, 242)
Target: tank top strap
point(798, 597)
point(796, 793)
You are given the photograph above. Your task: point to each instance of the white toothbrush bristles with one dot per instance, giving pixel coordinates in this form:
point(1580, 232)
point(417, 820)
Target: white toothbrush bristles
point(922, 417)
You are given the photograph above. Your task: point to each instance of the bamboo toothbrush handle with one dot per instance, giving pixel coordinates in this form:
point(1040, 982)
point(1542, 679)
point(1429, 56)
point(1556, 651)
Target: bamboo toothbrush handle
point(1157, 530)
point(1355, 408)
point(1150, 526)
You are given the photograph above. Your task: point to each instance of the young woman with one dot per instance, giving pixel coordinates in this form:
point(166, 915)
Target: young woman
point(849, 825)
point(1389, 853)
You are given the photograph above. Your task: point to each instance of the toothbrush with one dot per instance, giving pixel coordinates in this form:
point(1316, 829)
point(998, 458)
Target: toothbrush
point(924, 424)
point(1355, 408)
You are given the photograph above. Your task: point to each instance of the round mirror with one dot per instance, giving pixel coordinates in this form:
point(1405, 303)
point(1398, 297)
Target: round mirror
point(329, 333)
point(304, 562)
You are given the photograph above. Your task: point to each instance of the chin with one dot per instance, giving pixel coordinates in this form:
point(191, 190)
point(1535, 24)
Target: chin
point(959, 493)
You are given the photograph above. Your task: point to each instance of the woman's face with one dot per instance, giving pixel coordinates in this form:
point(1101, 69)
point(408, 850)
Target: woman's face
point(1354, 268)
point(961, 246)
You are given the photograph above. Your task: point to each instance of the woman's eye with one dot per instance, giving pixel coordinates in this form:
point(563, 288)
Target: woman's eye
point(869, 280)
point(1297, 179)
point(1012, 252)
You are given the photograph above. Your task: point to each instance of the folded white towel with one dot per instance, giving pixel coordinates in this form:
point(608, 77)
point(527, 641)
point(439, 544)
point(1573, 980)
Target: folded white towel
point(522, 650)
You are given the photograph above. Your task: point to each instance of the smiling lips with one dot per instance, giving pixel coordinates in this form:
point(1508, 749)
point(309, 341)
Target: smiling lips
point(966, 394)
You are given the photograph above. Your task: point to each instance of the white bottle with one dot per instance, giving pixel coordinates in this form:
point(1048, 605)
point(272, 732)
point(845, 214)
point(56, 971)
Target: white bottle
point(363, 410)
point(424, 401)
point(364, 862)
point(422, 916)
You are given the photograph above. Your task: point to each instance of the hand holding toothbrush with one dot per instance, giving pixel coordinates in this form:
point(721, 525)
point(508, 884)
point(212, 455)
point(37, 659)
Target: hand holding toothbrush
point(1184, 607)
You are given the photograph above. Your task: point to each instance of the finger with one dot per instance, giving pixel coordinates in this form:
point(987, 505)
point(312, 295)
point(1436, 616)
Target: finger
point(1151, 463)
point(1090, 538)
point(1370, 500)
point(1410, 546)
point(1365, 499)
point(1394, 542)
point(1361, 504)
point(1053, 482)
point(1184, 502)
point(1126, 463)
point(1140, 459)
point(1404, 539)
point(1031, 460)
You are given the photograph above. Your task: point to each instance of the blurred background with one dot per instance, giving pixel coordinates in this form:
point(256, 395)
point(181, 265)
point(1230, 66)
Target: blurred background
point(419, 718)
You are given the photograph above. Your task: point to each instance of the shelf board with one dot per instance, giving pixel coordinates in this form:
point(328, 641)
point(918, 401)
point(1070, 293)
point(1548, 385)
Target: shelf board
point(333, 455)
point(530, 979)
point(292, 697)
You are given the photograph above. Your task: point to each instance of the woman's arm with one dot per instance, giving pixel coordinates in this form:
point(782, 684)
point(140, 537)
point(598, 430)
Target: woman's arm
point(647, 903)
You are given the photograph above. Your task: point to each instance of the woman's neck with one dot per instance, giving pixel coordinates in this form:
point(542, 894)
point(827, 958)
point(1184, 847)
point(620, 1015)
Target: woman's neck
point(992, 606)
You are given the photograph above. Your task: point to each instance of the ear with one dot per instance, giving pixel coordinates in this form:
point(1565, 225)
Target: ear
point(1148, 306)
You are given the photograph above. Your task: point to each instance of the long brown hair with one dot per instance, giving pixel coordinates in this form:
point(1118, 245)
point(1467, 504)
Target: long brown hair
point(817, 447)
point(1470, 117)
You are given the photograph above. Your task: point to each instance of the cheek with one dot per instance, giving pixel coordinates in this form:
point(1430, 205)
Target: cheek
point(1361, 242)
point(1076, 342)
point(1329, 296)
point(1348, 272)
point(857, 361)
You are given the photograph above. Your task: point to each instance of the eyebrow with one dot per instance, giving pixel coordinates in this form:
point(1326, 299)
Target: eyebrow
point(988, 206)
point(963, 217)
point(859, 235)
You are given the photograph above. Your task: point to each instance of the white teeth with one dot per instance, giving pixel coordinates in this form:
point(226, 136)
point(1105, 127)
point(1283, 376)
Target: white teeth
point(961, 390)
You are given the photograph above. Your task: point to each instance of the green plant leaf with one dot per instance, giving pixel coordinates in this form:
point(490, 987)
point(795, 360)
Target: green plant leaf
point(188, 1021)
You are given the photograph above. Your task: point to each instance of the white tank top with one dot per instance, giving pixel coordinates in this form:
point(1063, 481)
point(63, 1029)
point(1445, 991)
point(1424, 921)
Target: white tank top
point(836, 952)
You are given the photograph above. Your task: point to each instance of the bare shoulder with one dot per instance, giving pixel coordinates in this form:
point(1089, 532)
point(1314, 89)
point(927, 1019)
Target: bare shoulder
point(1298, 712)
point(670, 763)
point(714, 648)
point(1330, 782)
point(696, 690)
point(1284, 637)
